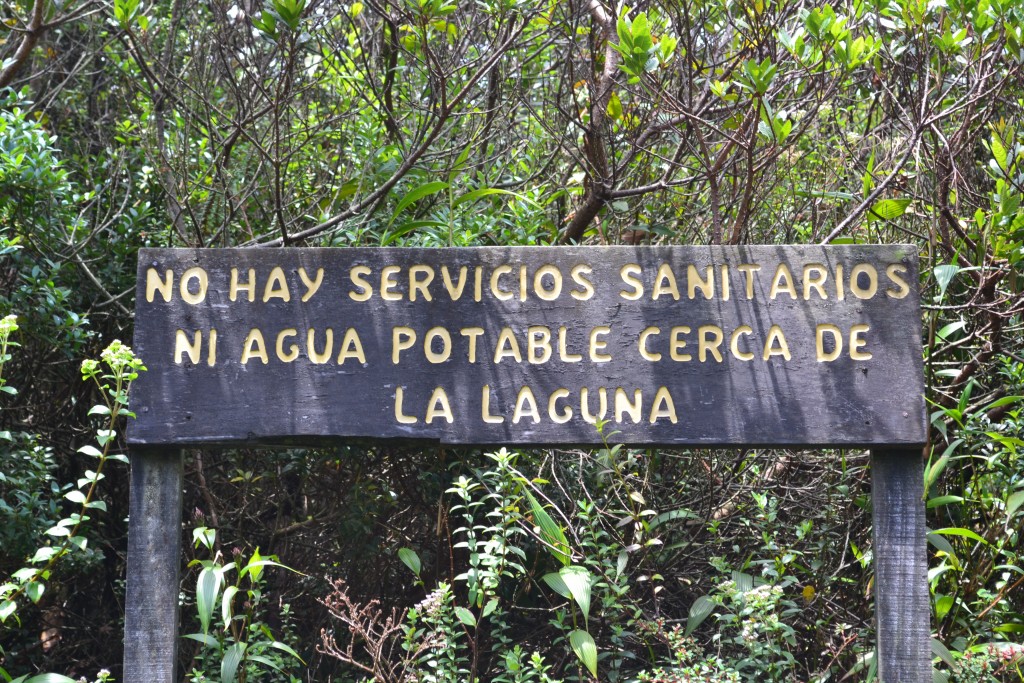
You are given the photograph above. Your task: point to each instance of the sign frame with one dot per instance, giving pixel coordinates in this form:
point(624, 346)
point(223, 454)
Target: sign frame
point(821, 298)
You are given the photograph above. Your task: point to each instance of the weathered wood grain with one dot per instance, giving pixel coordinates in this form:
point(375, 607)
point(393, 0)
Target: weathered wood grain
point(154, 556)
point(902, 610)
point(726, 395)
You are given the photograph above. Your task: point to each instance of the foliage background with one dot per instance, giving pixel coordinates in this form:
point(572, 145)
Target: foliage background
point(443, 123)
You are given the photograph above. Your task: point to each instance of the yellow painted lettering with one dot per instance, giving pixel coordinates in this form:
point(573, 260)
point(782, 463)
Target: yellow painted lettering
point(579, 273)
point(663, 407)
point(856, 272)
point(678, 344)
point(351, 347)
point(709, 338)
point(388, 283)
point(665, 283)
point(602, 403)
point(559, 417)
point(485, 408)
point(814, 278)
point(199, 275)
point(311, 285)
point(563, 348)
point(628, 274)
point(438, 406)
point(775, 344)
point(454, 290)
point(734, 343)
point(543, 292)
point(507, 346)
point(319, 358)
point(642, 343)
point(496, 290)
point(694, 282)
point(856, 343)
point(293, 350)
point(623, 405)
point(253, 347)
point(154, 284)
point(598, 345)
point(182, 346)
point(472, 333)
point(400, 417)
point(249, 287)
point(446, 345)
point(526, 405)
point(538, 349)
point(357, 275)
point(782, 282)
point(277, 286)
point(402, 338)
point(420, 278)
point(893, 271)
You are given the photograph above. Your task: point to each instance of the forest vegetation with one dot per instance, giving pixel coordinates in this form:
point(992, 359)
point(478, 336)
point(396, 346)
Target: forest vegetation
point(268, 123)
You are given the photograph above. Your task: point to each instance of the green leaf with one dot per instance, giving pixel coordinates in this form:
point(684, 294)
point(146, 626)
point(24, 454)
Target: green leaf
point(579, 581)
point(998, 150)
point(50, 678)
point(75, 496)
point(34, 591)
point(465, 616)
point(586, 649)
point(277, 645)
point(700, 610)
point(99, 410)
point(416, 194)
point(1013, 503)
point(411, 560)
point(960, 531)
point(473, 195)
point(940, 651)
point(229, 665)
point(207, 588)
point(550, 532)
point(226, 610)
point(203, 638)
point(943, 276)
point(944, 500)
point(888, 209)
point(43, 554)
point(91, 450)
point(7, 608)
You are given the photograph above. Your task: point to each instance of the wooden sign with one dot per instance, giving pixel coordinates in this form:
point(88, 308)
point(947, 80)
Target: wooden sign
point(699, 346)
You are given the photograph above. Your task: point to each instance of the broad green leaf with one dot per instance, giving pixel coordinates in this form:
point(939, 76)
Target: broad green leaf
point(473, 195)
point(277, 645)
point(579, 582)
point(207, 588)
point(586, 649)
point(203, 638)
point(940, 651)
point(943, 276)
point(229, 665)
point(941, 544)
point(888, 209)
point(700, 610)
point(226, 610)
point(465, 616)
point(1013, 503)
point(34, 591)
point(411, 560)
point(998, 150)
point(50, 678)
point(944, 500)
point(962, 532)
point(550, 532)
point(75, 496)
point(407, 227)
point(7, 608)
point(90, 450)
point(417, 193)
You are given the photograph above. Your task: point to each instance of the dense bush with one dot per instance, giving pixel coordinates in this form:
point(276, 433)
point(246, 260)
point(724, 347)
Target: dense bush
point(433, 123)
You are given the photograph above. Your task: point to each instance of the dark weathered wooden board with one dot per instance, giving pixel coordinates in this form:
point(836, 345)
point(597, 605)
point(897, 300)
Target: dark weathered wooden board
point(871, 393)
point(154, 558)
point(902, 609)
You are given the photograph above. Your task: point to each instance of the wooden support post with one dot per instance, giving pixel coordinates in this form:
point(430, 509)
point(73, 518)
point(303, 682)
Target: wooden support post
point(154, 557)
point(902, 611)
